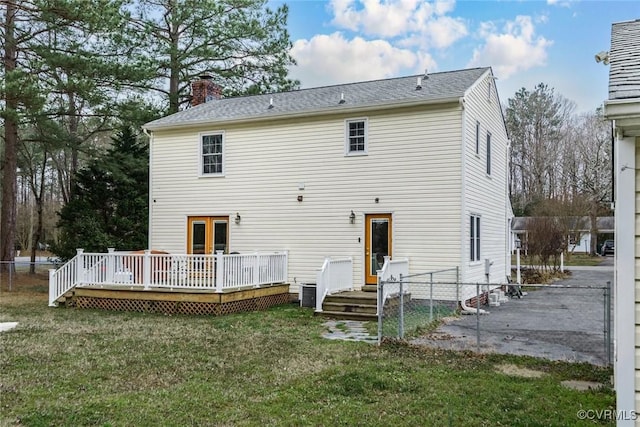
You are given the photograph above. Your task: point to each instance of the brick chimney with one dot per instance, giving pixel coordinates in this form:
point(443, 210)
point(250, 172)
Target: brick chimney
point(203, 89)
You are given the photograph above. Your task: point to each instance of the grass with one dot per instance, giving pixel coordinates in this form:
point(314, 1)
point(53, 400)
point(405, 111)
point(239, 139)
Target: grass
point(569, 260)
point(70, 367)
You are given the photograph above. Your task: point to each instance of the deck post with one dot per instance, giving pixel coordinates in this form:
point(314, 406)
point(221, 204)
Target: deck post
point(146, 269)
point(256, 270)
point(52, 286)
point(219, 270)
point(110, 265)
point(80, 266)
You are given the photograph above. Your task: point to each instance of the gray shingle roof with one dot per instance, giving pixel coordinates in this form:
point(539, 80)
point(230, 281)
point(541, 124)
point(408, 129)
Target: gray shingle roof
point(605, 224)
point(437, 87)
point(624, 60)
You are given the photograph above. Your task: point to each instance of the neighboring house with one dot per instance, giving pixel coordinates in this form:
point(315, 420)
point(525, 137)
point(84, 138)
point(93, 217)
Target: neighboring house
point(623, 108)
point(412, 167)
point(578, 231)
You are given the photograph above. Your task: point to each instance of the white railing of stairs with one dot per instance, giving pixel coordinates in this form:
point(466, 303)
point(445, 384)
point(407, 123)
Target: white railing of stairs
point(336, 275)
point(219, 272)
point(390, 276)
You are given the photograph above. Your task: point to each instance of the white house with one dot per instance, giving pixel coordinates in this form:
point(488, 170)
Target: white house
point(623, 108)
point(412, 167)
point(578, 230)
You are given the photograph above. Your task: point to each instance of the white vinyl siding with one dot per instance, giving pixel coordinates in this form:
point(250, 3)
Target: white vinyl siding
point(477, 137)
point(412, 169)
point(486, 195)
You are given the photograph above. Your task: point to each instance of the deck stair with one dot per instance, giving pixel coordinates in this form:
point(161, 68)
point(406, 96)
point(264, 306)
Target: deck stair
point(353, 305)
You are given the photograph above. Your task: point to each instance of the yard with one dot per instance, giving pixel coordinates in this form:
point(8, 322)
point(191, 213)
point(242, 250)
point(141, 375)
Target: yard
point(81, 367)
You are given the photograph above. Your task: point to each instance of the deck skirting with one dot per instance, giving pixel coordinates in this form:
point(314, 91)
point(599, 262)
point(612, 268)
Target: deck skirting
point(188, 302)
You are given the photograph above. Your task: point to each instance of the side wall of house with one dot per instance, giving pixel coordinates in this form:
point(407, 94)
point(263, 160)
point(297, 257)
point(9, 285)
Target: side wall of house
point(411, 170)
point(485, 192)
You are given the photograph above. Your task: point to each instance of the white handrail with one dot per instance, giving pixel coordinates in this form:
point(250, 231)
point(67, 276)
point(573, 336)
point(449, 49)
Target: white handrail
point(335, 275)
point(183, 271)
point(389, 279)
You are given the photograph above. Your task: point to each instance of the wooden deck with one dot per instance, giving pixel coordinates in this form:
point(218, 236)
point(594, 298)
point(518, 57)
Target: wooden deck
point(176, 301)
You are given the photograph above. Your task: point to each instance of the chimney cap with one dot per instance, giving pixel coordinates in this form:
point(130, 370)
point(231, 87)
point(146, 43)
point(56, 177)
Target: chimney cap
point(205, 77)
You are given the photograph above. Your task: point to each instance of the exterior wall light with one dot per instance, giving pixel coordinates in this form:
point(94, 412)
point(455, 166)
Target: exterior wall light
point(352, 218)
point(238, 218)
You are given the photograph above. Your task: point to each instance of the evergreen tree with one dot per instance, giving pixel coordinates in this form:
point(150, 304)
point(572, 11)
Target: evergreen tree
point(242, 44)
point(109, 206)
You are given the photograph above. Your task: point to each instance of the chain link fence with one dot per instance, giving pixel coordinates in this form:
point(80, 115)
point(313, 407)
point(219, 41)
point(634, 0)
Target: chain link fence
point(21, 272)
point(571, 321)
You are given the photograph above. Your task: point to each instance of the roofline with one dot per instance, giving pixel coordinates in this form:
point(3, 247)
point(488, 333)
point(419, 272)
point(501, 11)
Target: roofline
point(615, 109)
point(323, 111)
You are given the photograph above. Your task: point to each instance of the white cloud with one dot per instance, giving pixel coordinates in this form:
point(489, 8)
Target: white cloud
point(514, 49)
point(417, 22)
point(331, 59)
point(561, 3)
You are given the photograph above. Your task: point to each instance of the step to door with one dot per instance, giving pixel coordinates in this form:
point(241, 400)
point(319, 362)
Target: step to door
point(350, 307)
point(340, 315)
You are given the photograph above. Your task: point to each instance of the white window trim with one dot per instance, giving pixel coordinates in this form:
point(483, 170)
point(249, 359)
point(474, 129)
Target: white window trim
point(477, 141)
point(366, 137)
point(478, 237)
point(489, 153)
point(201, 174)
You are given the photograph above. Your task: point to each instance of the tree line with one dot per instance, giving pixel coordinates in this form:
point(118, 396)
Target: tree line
point(74, 72)
point(561, 162)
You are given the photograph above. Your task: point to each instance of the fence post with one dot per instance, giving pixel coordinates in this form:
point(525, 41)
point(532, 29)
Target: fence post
point(401, 317)
point(478, 316)
point(431, 297)
point(458, 284)
point(219, 271)
point(518, 277)
point(380, 308)
point(607, 322)
point(80, 266)
point(146, 268)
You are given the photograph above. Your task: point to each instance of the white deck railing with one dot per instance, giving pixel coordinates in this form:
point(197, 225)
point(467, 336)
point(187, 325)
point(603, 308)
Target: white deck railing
point(389, 276)
point(335, 275)
point(148, 270)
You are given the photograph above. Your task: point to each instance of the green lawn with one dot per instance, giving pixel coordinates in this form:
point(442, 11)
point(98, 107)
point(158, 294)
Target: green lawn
point(69, 367)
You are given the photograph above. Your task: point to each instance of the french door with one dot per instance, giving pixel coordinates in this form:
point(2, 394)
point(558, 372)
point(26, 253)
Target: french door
point(377, 244)
point(207, 234)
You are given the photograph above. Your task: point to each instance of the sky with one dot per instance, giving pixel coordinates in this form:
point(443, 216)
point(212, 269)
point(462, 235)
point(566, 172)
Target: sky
point(525, 42)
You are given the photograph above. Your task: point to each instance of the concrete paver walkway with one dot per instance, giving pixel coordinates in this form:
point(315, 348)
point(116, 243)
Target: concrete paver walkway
point(348, 330)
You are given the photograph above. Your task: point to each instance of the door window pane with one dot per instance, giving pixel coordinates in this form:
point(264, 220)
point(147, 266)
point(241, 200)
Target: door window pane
point(379, 243)
point(198, 237)
point(220, 236)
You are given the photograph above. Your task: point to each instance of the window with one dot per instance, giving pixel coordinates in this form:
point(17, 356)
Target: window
point(211, 151)
point(474, 232)
point(477, 137)
point(488, 153)
point(356, 137)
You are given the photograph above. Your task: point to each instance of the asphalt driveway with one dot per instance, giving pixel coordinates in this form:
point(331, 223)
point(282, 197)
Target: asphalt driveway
point(565, 321)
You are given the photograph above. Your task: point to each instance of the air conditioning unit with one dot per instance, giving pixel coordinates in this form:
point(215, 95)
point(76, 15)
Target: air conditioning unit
point(307, 295)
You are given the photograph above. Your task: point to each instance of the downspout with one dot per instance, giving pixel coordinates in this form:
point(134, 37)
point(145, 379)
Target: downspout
point(150, 201)
point(470, 310)
point(463, 205)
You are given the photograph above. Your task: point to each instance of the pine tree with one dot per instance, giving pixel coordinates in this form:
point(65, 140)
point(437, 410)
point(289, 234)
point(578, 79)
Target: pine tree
point(109, 207)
